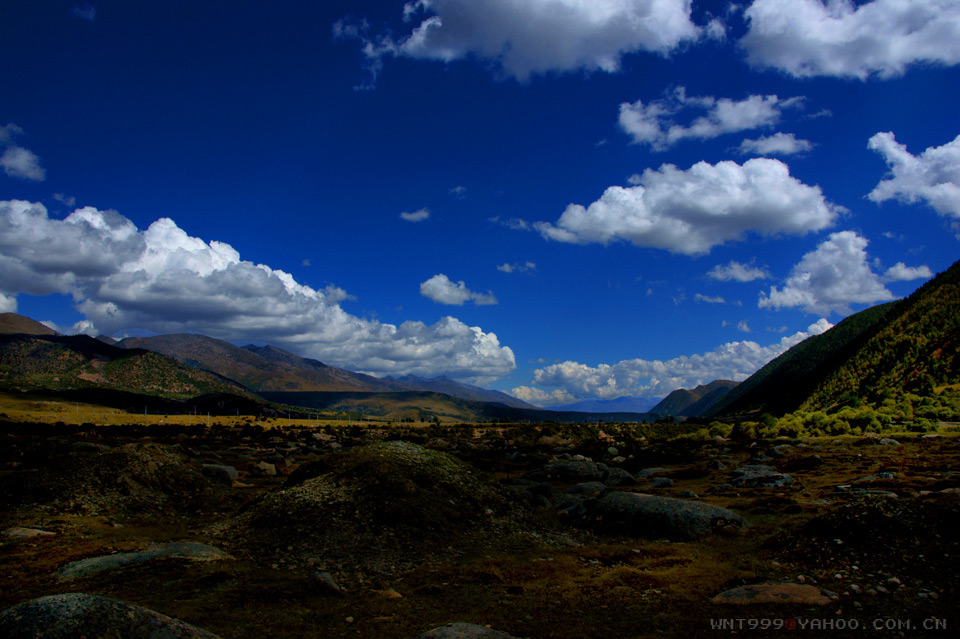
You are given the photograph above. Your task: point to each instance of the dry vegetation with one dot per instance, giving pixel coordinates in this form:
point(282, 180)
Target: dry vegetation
point(428, 532)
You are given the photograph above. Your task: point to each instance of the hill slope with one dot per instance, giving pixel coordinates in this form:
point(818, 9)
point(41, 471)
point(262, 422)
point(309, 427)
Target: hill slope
point(11, 324)
point(786, 381)
point(460, 390)
point(888, 349)
point(693, 403)
point(59, 362)
point(259, 368)
point(914, 348)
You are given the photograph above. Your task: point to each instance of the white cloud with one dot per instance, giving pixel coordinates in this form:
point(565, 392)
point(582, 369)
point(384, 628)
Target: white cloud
point(808, 38)
point(521, 38)
point(416, 216)
point(656, 378)
point(517, 268)
point(539, 397)
point(8, 303)
point(743, 327)
point(440, 289)
point(66, 200)
point(654, 123)
point(21, 163)
point(691, 211)
point(776, 144)
point(459, 192)
point(163, 280)
point(699, 297)
point(830, 278)
point(934, 176)
point(737, 272)
point(900, 272)
point(17, 161)
point(513, 223)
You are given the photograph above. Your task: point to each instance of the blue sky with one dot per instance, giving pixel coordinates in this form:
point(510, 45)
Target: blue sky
point(556, 198)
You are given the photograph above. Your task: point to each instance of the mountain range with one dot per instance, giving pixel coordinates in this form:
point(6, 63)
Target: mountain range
point(907, 346)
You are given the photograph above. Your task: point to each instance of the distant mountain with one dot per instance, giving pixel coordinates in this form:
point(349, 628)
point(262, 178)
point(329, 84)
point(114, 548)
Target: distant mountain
point(11, 323)
point(460, 390)
point(425, 405)
point(618, 405)
point(57, 362)
point(693, 403)
point(259, 368)
point(910, 345)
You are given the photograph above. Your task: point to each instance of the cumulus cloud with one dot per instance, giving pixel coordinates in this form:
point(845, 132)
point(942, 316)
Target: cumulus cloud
point(163, 280)
point(540, 397)
point(8, 303)
point(441, 290)
point(776, 144)
point(692, 211)
point(743, 327)
point(831, 278)
point(654, 123)
point(656, 378)
point(737, 272)
point(933, 177)
point(526, 267)
point(900, 272)
point(841, 38)
point(416, 216)
point(520, 38)
point(17, 161)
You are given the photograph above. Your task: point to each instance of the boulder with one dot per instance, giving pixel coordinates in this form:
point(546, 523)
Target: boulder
point(773, 594)
point(464, 631)
point(589, 489)
point(221, 473)
point(655, 516)
point(73, 615)
point(178, 550)
point(756, 476)
point(20, 532)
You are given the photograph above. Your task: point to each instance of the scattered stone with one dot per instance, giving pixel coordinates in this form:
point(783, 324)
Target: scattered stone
point(576, 470)
point(654, 516)
point(464, 631)
point(327, 583)
point(773, 593)
point(219, 472)
point(618, 477)
point(687, 494)
point(389, 593)
point(662, 482)
point(19, 532)
point(650, 472)
point(756, 476)
point(887, 441)
point(590, 489)
point(177, 550)
point(270, 470)
point(73, 615)
point(716, 464)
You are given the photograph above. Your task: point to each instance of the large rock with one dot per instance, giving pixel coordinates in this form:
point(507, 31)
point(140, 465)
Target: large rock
point(757, 476)
point(464, 631)
point(74, 615)
point(655, 516)
point(177, 550)
point(575, 470)
point(773, 594)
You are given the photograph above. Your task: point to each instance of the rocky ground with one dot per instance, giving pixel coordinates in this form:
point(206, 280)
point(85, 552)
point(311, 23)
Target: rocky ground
point(442, 531)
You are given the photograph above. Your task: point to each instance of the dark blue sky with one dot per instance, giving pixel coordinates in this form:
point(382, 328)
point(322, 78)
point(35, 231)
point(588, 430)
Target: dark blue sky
point(253, 126)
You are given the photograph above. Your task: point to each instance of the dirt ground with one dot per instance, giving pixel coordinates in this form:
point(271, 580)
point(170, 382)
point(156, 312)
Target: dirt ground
point(873, 525)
